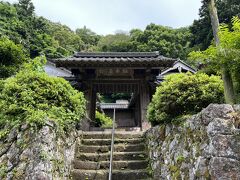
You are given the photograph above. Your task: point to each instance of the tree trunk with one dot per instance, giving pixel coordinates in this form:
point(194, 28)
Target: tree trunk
point(226, 75)
point(228, 86)
point(214, 20)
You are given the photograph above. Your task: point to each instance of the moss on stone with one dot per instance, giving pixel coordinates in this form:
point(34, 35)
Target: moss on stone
point(180, 159)
point(43, 155)
point(177, 175)
point(173, 168)
point(207, 175)
point(3, 133)
point(58, 165)
point(162, 130)
point(149, 169)
point(3, 170)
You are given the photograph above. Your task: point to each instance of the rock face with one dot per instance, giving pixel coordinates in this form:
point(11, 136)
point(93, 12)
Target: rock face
point(206, 146)
point(37, 154)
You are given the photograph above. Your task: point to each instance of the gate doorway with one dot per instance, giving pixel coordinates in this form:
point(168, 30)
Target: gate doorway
point(123, 72)
point(125, 108)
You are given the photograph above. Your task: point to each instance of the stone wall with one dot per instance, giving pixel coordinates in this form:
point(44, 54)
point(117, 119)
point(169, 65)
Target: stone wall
point(43, 154)
point(206, 146)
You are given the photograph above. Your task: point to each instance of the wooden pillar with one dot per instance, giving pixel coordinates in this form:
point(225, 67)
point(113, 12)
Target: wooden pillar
point(137, 116)
point(93, 106)
point(90, 96)
point(144, 101)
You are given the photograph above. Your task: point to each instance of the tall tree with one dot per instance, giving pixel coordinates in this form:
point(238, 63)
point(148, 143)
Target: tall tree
point(89, 38)
point(119, 42)
point(226, 75)
point(202, 37)
point(170, 42)
point(25, 8)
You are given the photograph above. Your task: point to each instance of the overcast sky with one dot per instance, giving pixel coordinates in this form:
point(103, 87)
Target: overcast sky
point(108, 16)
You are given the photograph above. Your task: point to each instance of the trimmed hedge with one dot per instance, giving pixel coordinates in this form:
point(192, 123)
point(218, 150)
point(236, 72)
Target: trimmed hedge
point(183, 94)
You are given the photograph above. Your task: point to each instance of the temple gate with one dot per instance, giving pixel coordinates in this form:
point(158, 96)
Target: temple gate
point(122, 72)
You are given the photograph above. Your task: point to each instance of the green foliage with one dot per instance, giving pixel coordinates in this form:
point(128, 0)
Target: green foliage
point(9, 22)
point(67, 40)
point(25, 8)
point(121, 96)
point(169, 42)
point(102, 120)
point(40, 36)
point(202, 36)
point(19, 23)
point(11, 57)
point(182, 94)
point(37, 64)
point(32, 97)
point(227, 54)
point(89, 38)
point(111, 98)
point(119, 42)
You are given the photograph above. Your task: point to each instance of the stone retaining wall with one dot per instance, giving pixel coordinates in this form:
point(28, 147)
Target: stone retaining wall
point(37, 155)
point(206, 146)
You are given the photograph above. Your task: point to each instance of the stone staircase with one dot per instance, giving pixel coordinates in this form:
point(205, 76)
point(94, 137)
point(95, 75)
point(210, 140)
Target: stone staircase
point(93, 154)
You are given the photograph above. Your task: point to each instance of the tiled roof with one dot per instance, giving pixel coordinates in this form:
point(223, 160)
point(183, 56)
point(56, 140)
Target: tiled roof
point(52, 70)
point(116, 54)
point(111, 59)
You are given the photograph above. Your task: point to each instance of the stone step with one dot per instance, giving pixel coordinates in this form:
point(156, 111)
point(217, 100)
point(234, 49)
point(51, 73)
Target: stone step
point(120, 165)
point(118, 129)
point(78, 174)
point(117, 156)
point(108, 135)
point(102, 142)
point(107, 148)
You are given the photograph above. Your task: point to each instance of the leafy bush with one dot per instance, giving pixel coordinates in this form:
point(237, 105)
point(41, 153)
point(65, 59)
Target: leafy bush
point(182, 94)
point(102, 120)
point(11, 57)
point(32, 97)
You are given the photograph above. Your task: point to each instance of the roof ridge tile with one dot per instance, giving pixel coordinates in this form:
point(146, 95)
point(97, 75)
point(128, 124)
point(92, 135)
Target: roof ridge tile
point(116, 54)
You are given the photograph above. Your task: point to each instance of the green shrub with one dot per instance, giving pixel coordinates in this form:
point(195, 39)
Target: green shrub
point(32, 97)
point(11, 57)
point(102, 120)
point(182, 94)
